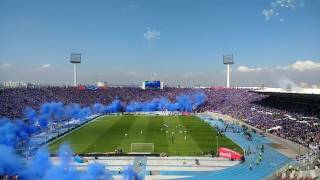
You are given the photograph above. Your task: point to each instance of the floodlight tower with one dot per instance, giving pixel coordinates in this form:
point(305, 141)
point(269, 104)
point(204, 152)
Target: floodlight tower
point(228, 60)
point(75, 58)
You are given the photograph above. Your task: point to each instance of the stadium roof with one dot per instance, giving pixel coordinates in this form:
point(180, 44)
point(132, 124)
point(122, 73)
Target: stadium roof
point(311, 94)
point(293, 91)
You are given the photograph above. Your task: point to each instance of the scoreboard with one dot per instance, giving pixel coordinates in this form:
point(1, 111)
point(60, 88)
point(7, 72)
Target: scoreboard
point(152, 85)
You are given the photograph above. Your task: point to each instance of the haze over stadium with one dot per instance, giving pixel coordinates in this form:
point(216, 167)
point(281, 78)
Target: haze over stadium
point(160, 89)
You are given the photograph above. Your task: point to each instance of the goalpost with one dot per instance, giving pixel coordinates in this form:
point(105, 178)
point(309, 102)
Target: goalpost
point(142, 147)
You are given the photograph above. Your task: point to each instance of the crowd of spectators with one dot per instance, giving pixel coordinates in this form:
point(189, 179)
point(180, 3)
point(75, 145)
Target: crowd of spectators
point(297, 123)
point(13, 101)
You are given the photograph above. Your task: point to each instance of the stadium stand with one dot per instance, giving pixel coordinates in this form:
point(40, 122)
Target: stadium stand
point(294, 122)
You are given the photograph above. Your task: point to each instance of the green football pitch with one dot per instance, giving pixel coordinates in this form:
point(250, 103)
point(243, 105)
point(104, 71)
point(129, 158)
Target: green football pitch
point(191, 136)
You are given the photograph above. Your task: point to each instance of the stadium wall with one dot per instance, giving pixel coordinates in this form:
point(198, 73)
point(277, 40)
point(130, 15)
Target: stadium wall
point(298, 148)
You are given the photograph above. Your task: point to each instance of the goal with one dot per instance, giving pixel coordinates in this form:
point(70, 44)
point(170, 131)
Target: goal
point(142, 147)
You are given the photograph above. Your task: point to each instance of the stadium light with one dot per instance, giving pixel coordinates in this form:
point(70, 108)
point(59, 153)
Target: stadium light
point(228, 60)
point(75, 58)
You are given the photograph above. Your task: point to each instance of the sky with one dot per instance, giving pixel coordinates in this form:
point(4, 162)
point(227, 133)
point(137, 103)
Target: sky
point(176, 41)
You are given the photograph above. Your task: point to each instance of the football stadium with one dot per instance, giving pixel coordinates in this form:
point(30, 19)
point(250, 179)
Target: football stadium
point(89, 90)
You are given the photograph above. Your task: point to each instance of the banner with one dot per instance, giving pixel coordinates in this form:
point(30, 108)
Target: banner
point(81, 88)
point(228, 153)
point(186, 114)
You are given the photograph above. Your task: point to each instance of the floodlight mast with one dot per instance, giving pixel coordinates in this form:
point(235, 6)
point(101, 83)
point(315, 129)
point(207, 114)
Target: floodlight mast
point(228, 60)
point(75, 58)
point(228, 75)
point(74, 74)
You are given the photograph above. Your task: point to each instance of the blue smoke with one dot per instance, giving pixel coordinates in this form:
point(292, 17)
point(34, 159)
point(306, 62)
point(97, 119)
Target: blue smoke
point(150, 106)
point(38, 167)
point(42, 121)
point(74, 111)
point(83, 113)
point(30, 114)
point(134, 107)
point(199, 99)
point(65, 170)
point(129, 173)
point(183, 103)
point(13, 133)
point(98, 108)
point(114, 107)
point(8, 133)
point(10, 163)
point(54, 111)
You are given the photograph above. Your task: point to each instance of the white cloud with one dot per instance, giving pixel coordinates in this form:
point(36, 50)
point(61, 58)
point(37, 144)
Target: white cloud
point(129, 7)
point(305, 65)
point(151, 35)
point(283, 82)
point(133, 73)
point(268, 13)
point(284, 3)
point(44, 66)
point(187, 75)
point(278, 5)
point(280, 68)
point(5, 65)
point(245, 69)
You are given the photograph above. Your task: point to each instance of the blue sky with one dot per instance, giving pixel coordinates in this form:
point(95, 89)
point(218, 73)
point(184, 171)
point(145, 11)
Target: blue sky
point(177, 40)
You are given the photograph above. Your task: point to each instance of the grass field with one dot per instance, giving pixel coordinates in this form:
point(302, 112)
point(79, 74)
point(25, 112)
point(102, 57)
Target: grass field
point(107, 133)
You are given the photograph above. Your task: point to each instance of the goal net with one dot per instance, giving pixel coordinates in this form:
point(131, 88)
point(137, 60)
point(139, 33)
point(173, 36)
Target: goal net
point(142, 147)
